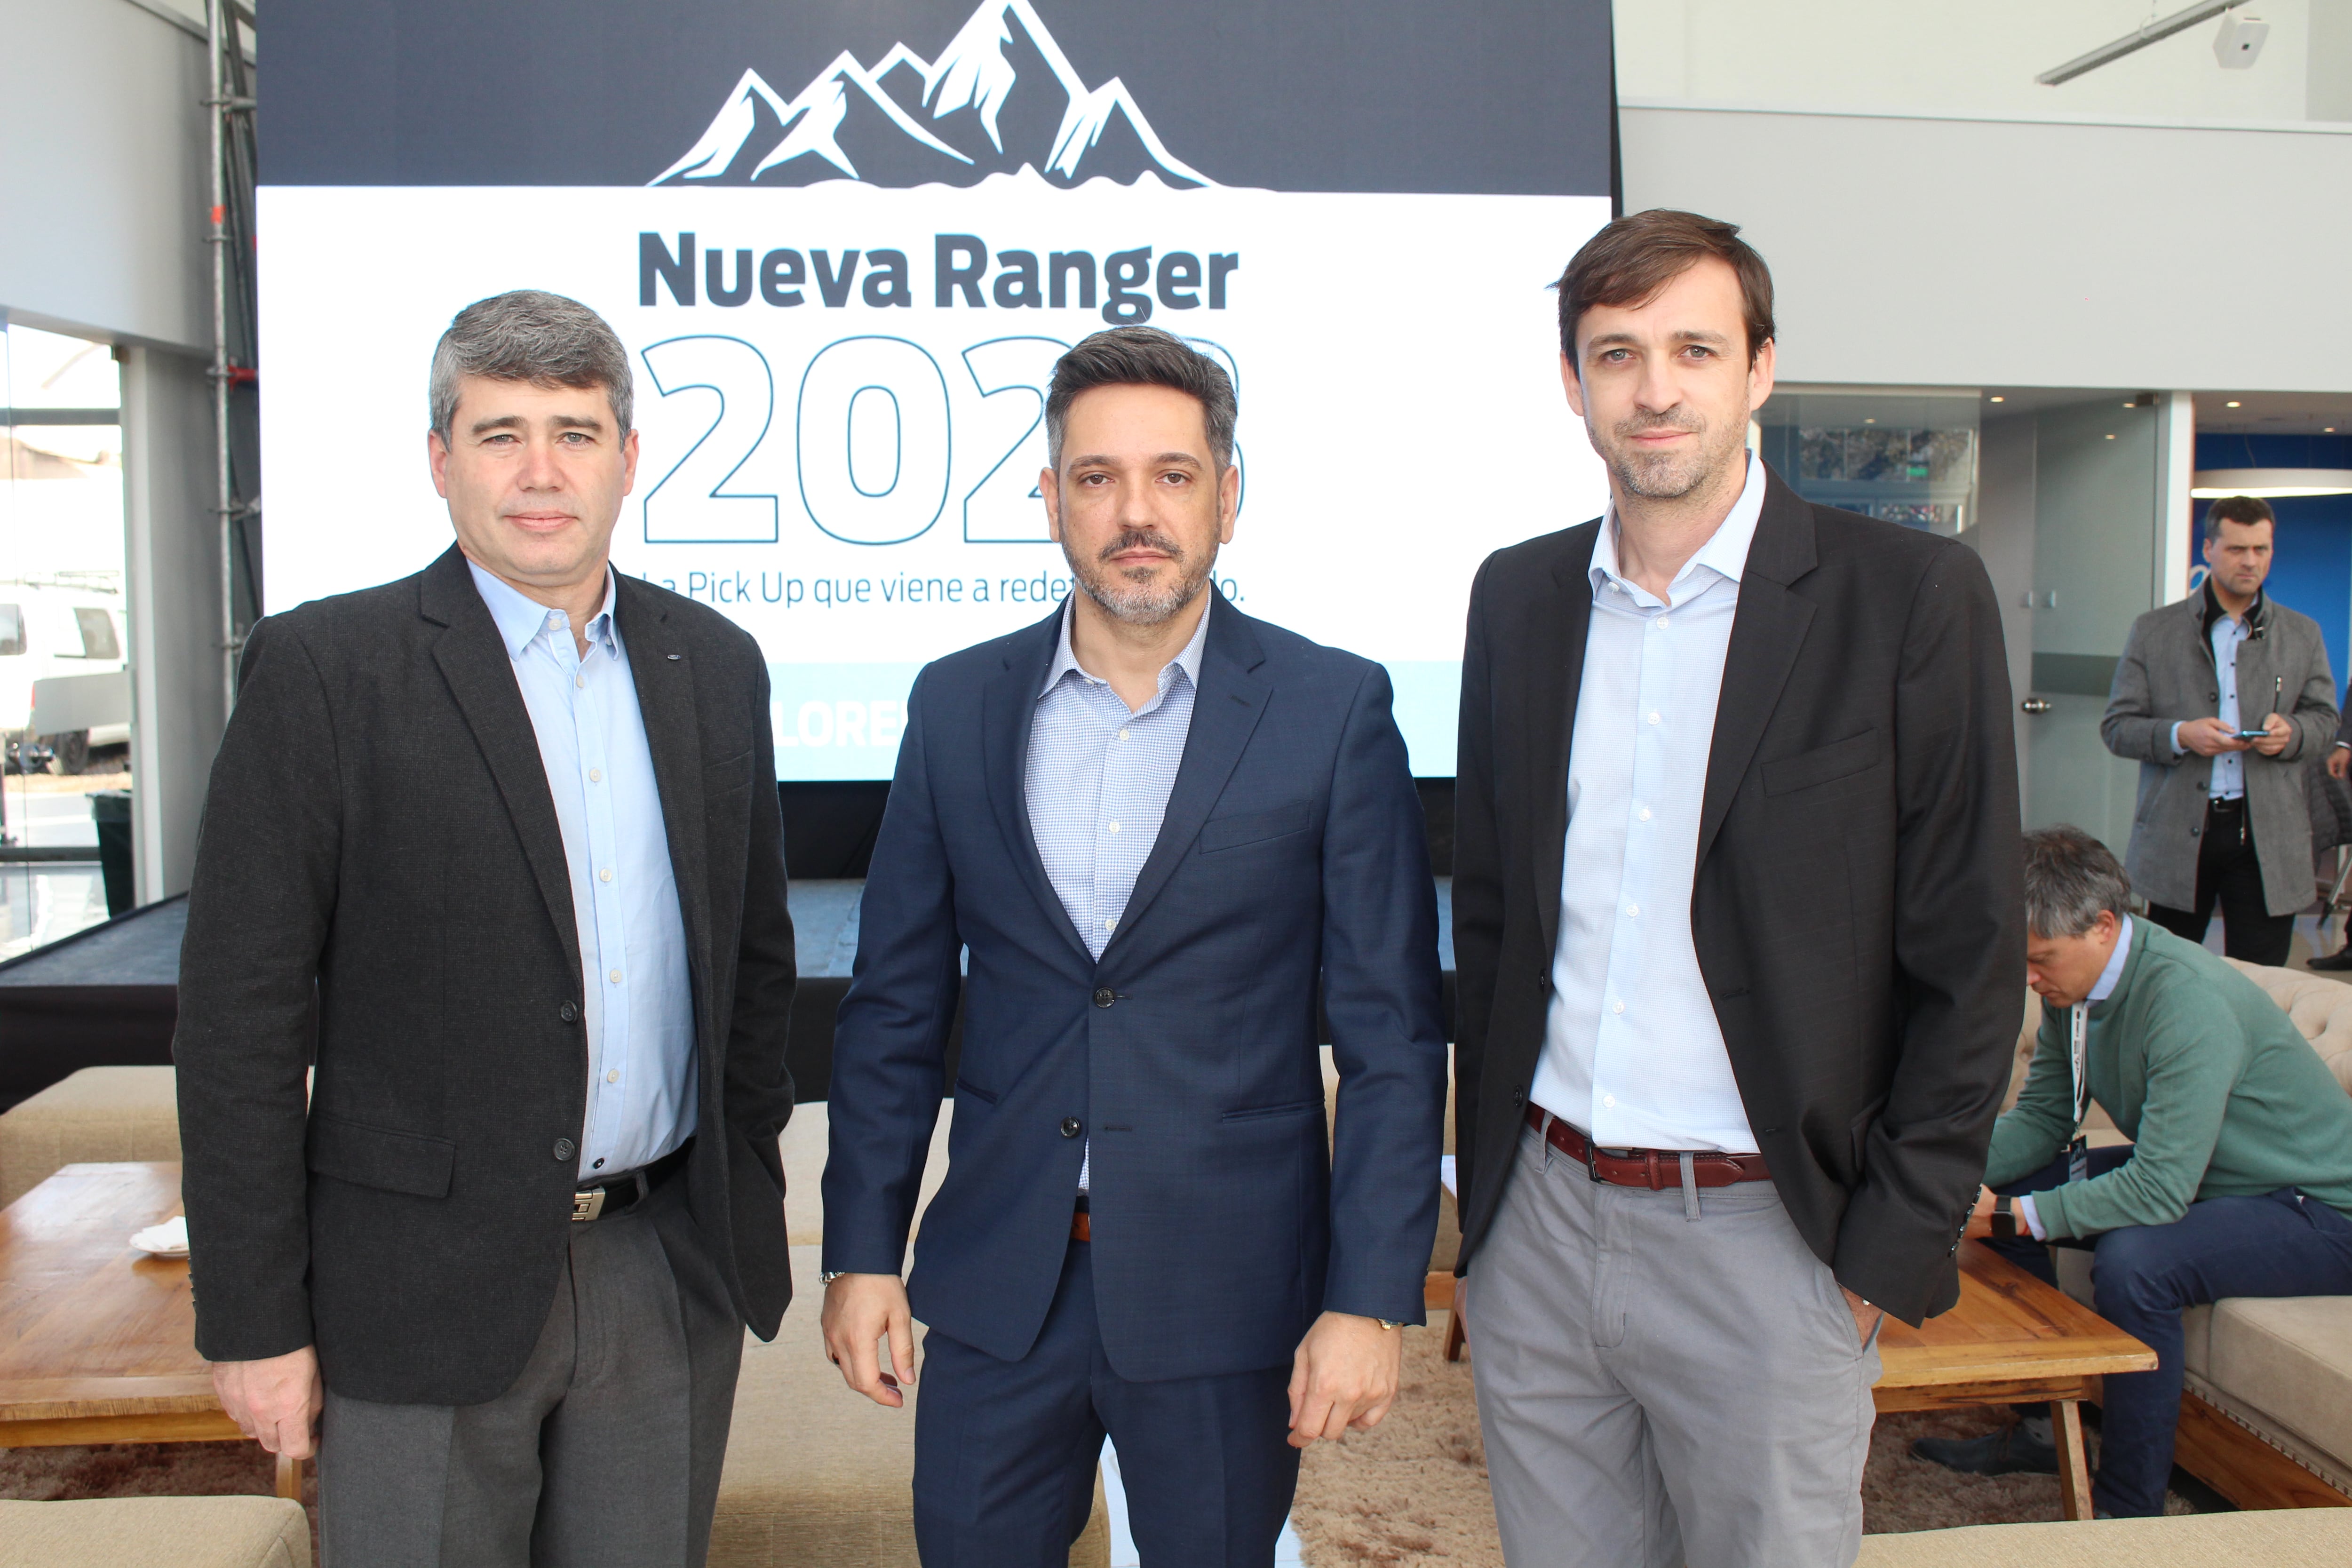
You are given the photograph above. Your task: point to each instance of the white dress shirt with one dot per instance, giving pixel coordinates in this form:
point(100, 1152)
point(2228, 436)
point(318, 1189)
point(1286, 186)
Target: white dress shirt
point(1098, 779)
point(1632, 1054)
point(600, 769)
point(2109, 977)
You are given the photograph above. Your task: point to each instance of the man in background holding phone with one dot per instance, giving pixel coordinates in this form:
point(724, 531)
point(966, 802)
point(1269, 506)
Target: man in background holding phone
point(2222, 699)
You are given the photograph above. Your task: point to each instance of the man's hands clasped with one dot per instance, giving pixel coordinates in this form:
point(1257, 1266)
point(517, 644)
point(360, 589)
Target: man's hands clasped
point(2211, 737)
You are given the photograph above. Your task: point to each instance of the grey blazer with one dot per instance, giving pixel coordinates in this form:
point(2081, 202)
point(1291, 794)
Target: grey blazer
point(2166, 674)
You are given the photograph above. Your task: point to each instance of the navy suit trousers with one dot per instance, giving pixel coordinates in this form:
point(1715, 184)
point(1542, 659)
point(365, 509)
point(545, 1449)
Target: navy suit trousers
point(2143, 1277)
point(1005, 1450)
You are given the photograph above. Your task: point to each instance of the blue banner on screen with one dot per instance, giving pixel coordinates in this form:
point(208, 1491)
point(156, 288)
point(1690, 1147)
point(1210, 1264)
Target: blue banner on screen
point(844, 243)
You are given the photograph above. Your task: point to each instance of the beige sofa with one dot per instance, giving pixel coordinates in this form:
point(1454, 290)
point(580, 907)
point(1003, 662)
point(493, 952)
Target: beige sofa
point(155, 1532)
point(2267, 1421)
point(2306, 1538)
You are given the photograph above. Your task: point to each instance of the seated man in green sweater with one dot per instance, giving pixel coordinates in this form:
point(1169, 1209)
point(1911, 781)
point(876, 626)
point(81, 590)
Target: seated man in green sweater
point(2238, 1180)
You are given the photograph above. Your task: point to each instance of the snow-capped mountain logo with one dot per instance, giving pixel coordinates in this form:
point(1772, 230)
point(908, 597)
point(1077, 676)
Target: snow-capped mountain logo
point(1001, 96)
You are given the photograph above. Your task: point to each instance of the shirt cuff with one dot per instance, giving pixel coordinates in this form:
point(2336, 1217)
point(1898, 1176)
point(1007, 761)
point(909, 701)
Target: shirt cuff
point(2033, 1221)
point(2176, 736)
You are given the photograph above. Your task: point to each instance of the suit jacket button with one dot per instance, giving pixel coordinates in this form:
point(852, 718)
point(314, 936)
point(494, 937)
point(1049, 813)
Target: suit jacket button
point(1518, 1097)
point(1104, 997)
point(569, 1012)
point(565, 1149)
point(1071, 1126)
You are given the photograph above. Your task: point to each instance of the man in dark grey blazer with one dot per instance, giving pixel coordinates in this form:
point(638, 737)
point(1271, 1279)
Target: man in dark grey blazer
point(2221, 700)
point(496, 849)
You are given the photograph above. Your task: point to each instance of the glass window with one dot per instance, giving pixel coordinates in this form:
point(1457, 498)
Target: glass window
point(1907, 457)
point(98, 639)
point(12, 629)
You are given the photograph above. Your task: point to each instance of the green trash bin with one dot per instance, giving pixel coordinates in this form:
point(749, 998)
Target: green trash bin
point(110, 809)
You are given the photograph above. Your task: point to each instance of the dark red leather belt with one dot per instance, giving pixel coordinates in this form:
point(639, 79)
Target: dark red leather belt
point(1660, 1170)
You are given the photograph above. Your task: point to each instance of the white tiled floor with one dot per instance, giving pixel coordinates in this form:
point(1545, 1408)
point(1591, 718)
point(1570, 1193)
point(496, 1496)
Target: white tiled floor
point(1122, 1540)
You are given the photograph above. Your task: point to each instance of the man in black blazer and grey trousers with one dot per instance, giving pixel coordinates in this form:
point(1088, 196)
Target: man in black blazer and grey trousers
point(1737, 926)
point(503, 839)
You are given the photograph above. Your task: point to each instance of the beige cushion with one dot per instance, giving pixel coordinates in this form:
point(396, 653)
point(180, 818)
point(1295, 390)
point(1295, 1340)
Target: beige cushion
point(2285, 1538)
point(2289, 1358)
point(155, 1531)
point(99, 1114)
point(803, 1144)
point(817, 1476)
point(2321, 1008)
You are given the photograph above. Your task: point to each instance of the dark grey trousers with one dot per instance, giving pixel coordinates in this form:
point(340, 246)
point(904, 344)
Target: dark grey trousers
point(604, 1453)
point(1664, 1378)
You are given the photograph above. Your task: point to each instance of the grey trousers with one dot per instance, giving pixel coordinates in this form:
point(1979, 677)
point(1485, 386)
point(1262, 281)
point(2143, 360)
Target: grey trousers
point(604, 1453)
point(1657, 1389)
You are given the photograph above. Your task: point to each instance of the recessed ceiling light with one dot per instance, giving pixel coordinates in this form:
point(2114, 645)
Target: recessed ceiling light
point(1870, 422)
point(2001, 400)
point(2232, 404)
point(2110, 437)
point(2269, 483)
point(2327, 430)
point(2131, 406)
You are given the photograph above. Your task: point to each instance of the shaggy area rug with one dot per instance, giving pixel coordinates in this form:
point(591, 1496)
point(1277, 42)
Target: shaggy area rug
point(1413, 1490)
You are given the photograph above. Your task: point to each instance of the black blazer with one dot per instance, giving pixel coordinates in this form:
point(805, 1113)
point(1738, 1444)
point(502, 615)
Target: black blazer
point(379, 844)
point(1858, 911)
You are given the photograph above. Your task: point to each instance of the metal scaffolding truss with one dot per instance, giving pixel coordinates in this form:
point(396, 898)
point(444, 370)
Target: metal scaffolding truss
point(237, 448)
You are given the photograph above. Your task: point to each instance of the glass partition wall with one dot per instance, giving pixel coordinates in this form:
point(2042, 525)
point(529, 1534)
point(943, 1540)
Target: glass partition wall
point(65, 695)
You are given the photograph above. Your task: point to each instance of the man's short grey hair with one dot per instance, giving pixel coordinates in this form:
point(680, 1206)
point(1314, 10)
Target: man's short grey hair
point(528, 334)
point(2070, 877)
point(1142, 356)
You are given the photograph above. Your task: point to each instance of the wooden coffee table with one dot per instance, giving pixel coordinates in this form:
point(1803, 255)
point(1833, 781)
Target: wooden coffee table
point(96, 1339)
point(2011, 1338)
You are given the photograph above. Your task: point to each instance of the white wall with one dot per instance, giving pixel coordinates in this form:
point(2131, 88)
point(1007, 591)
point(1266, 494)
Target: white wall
point(103, 193)
point(1973, 57)
point(102, 186)
point(179, 700)
point(1943, 252)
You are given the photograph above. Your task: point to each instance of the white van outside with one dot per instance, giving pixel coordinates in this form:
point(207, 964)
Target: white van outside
point(65, 683)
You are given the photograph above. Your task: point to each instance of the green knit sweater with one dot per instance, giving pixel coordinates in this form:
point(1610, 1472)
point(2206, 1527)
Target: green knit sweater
point(2218, 1090)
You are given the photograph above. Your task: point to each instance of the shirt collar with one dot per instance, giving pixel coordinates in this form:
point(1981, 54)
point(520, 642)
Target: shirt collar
point(2112, 975)
point(1189, 660)
point(520, 620)
point(1725, 553)
point(2211, 613)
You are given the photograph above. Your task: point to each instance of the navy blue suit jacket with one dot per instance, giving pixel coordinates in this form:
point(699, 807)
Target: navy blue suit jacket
point(1293, 851)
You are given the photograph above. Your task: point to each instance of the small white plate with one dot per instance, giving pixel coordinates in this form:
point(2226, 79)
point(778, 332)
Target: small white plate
point(169, 1240)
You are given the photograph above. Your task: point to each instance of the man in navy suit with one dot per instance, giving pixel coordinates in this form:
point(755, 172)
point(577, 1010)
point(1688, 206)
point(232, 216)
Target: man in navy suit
point(1154, 826)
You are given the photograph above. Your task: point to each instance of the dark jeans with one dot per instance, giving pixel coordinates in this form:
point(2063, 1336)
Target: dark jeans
point(2144, 1276)
point(2230, 871)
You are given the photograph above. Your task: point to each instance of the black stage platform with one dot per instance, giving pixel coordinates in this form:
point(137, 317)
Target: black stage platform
point(108, 995)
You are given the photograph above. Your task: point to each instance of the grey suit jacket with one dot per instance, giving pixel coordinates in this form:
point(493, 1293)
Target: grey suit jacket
point(2167, 674)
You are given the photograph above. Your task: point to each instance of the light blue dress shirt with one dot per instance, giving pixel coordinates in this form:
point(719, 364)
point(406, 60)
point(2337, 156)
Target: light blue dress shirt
point(1098, 780)
point(2229, 781)
point(1632, 1054)
point(600, 769)
point(2109, 978)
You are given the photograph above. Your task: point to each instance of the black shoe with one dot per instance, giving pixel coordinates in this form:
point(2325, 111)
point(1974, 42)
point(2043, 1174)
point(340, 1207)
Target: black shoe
point(2010, 1451)
point(2340, 959)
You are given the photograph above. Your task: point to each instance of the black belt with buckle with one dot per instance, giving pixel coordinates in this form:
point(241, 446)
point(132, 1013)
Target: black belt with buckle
point(619, 1192)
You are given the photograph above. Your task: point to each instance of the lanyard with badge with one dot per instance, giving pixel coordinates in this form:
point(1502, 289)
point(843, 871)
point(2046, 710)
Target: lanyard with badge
point(2078, 1153)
